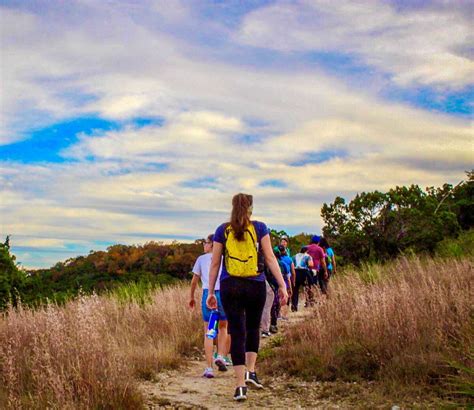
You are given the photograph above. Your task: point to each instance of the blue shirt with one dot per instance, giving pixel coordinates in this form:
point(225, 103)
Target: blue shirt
point(219, 236)
point(287, 261)
point(330, 254)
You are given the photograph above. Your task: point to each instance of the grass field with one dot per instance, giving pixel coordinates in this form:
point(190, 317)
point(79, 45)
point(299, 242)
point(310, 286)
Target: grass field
point(407, 325)
point(91, 352)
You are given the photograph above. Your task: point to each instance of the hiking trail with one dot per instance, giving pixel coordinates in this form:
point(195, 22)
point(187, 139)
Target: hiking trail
point(186, 388)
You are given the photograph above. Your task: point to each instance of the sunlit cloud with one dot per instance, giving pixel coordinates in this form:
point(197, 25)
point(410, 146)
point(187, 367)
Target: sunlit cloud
point(141, 130)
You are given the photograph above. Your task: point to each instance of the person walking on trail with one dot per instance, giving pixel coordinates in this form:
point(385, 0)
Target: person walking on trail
point(289, 268)
point(246, 247)
point(319, 260)
point(275, 307)
point(304, 277)
point(285, 242)
point(201, 271)
point(330, 256)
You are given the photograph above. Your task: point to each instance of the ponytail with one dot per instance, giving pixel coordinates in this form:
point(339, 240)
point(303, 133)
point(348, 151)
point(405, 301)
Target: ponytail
point(240, 216)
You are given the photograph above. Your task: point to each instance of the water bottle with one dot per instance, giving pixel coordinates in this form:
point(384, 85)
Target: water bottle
point(212, 329)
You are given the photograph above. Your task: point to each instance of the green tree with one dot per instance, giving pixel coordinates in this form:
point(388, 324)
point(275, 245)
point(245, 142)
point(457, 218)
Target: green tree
point(12, 279)
point(378, 226)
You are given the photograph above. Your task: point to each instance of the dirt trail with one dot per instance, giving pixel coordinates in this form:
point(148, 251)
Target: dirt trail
point(186, 388)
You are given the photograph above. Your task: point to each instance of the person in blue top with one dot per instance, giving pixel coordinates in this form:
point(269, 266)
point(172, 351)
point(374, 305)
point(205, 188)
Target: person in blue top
point(242, 286)
point(291, 275)
point(330, 257)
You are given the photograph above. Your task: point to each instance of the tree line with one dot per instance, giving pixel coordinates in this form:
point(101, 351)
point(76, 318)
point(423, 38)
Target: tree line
point(376, 226)
point(373, 226)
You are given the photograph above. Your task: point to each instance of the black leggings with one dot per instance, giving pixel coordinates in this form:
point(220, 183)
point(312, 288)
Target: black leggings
point(243, 301)
point(303, 278)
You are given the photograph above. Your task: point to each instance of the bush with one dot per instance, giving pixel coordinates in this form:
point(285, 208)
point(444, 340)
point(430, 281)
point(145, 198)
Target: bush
point(400, 324)
point(461, 246)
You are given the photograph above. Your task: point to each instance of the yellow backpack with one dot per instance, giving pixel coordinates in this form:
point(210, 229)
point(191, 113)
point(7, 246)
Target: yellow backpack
point(241, 257)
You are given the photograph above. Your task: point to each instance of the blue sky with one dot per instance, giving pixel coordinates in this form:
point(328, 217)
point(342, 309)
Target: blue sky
point(138, 121)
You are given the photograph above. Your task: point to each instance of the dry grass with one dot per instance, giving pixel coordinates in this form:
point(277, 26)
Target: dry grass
point(88, 353)
point(401, 324)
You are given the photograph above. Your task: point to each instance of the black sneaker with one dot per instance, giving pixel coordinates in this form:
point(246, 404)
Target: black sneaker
point(220, 363)
point(273, 329)
point(251, 377)
point(240, 393)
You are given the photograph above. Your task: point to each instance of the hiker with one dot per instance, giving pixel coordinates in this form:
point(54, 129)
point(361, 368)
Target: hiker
point(285, 242)
point(330, 256)
point(304, 277)
point(289, 268)
point(275, 307)
point(201, 272)
point(319, 261)
point(246, 247)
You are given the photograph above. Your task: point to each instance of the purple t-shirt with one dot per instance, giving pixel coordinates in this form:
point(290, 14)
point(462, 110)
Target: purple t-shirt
point(219, 236)
point(317, 253)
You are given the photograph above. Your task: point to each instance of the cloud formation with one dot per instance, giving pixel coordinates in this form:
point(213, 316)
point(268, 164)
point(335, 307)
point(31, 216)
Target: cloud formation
point(429, 44)
point(206, 101)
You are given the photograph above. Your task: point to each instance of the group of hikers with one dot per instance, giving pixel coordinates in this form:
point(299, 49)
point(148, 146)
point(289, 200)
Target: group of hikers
point(253, 285)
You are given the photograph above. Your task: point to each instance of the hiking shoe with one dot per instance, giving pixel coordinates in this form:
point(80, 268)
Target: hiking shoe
point(273, 329)
point(228, 361)
point(240, 393)
point(251, 377)
point(220, 363)
point(208, 373)
point(266, 334)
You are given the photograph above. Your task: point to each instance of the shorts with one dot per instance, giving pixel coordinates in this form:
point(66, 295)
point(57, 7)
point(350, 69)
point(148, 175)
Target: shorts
point(206, 312)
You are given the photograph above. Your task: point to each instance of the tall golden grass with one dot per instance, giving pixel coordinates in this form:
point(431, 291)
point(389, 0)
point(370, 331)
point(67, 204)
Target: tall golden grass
point(90, 352)
point(401, 323)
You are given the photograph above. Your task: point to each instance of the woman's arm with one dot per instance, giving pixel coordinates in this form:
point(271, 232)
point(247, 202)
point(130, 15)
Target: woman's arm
point(194, 282)
point(217, 249)
point(272, 264)
point(293, 275)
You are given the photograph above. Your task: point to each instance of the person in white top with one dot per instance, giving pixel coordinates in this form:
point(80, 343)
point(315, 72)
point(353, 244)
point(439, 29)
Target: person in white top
point(201, 272)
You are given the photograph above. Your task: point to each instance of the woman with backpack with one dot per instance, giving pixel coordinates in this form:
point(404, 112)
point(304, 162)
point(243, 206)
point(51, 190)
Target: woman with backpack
point(246, 248)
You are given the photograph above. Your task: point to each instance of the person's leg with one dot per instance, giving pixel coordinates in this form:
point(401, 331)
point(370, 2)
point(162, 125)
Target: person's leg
point(275, 312)
point(300, 280)
point(250, 361)
point(223, 344)
point(222, 339)
point(232, 301)
point(208, 346)
point(254, 304)
point(208, 343)
point(322, 282)
point(266, 315)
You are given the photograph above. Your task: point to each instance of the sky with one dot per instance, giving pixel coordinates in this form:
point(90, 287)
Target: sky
point(135, 121)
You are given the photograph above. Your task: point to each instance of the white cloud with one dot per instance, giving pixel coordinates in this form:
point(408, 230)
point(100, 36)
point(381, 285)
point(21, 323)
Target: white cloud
point(425, 46)
point(177, 179)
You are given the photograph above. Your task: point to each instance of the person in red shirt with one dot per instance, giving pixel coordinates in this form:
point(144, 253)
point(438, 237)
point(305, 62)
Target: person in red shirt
point(319, 260)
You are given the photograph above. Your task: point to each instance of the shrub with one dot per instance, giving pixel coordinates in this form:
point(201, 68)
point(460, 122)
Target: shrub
point(462, 246)
point(89, 352)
